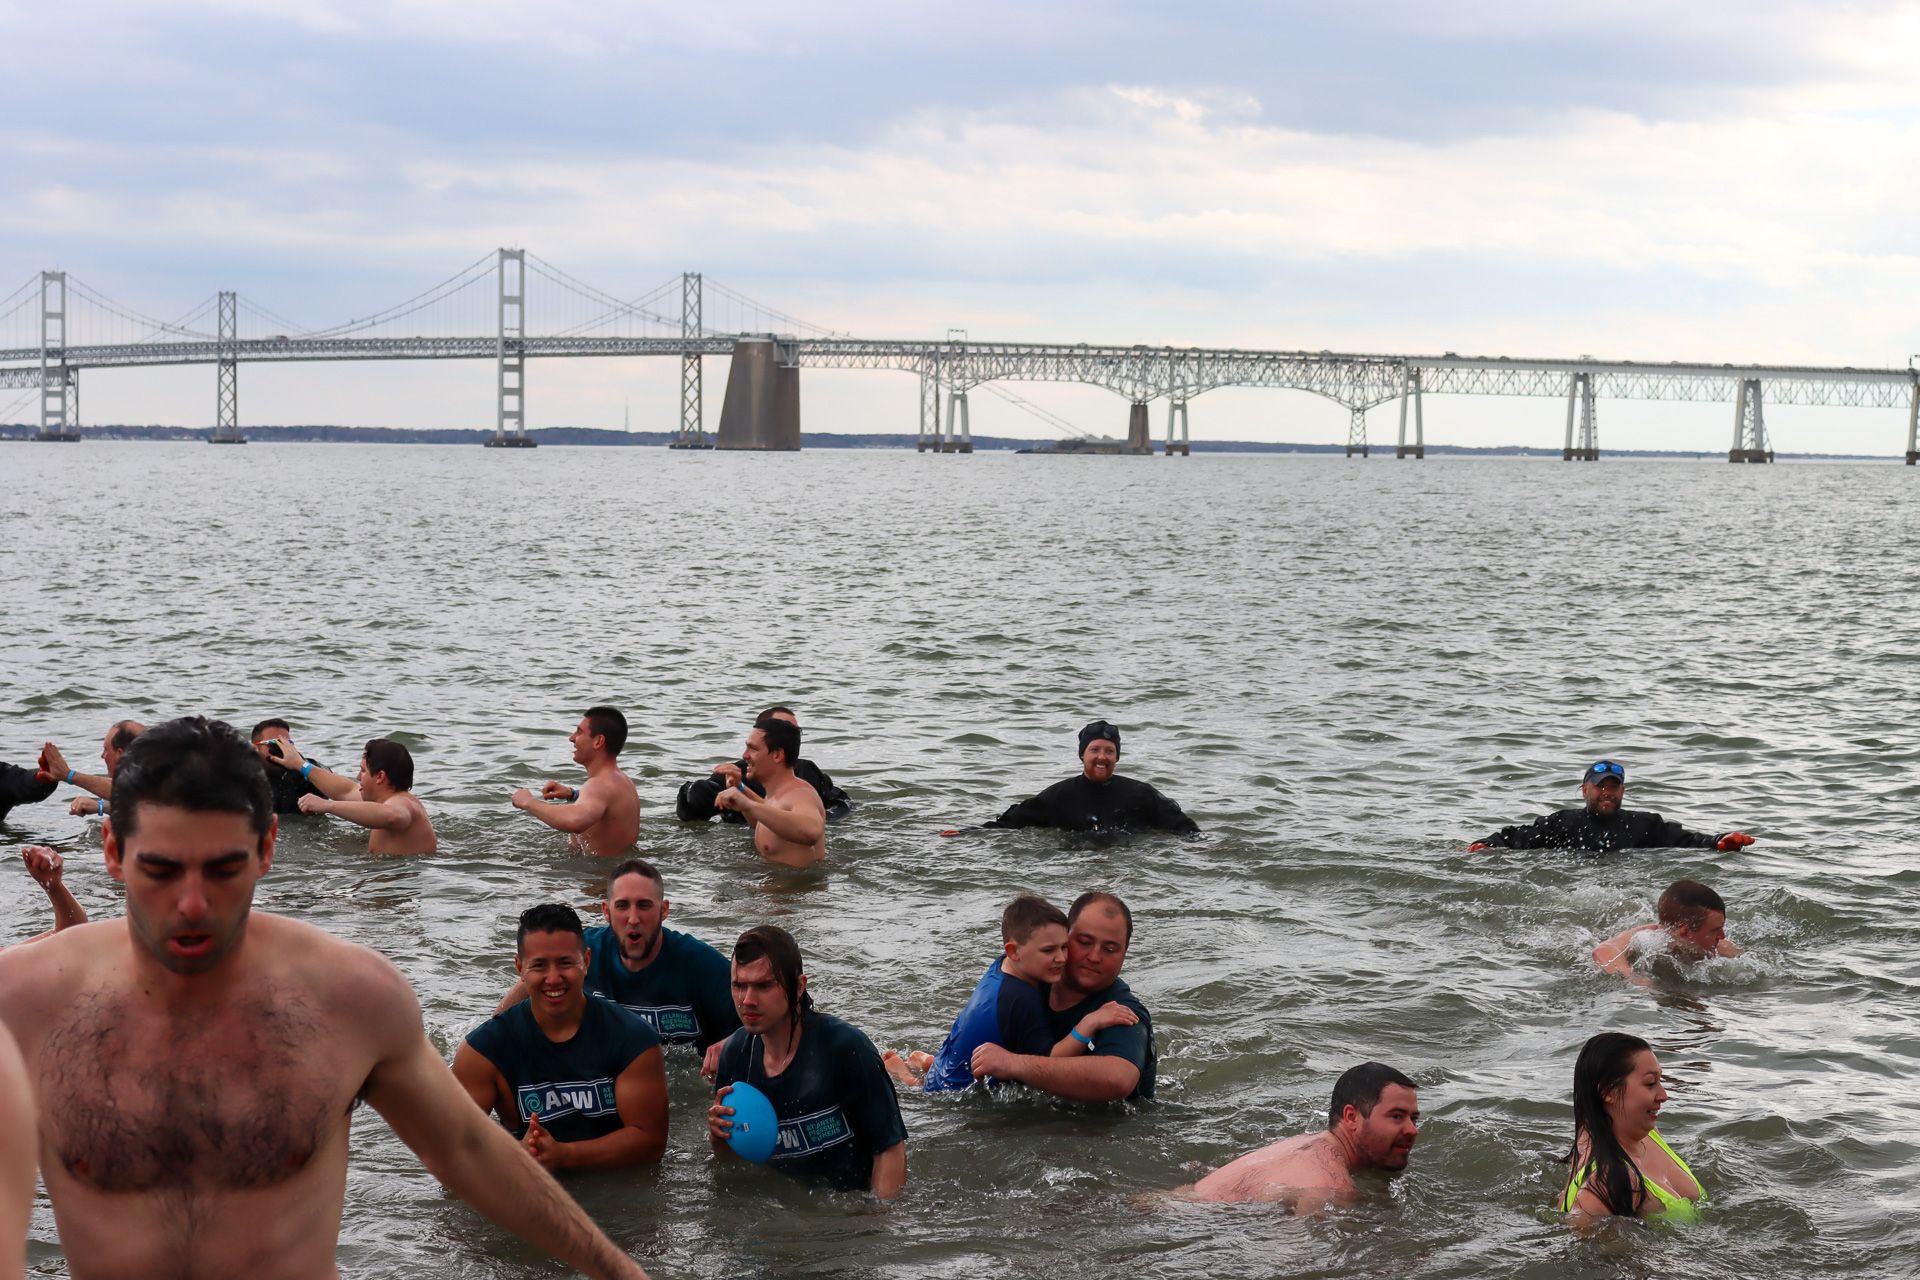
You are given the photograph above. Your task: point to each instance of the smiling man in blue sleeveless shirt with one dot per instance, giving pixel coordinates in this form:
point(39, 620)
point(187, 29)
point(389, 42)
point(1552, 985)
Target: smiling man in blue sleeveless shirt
point(580, 1081)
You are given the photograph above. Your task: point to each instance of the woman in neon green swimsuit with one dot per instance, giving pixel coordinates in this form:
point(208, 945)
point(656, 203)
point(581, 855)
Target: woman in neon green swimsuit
point(1620, 1166)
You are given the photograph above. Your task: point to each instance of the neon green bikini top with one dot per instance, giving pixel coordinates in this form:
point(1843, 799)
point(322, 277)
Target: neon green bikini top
point(1673, 1208)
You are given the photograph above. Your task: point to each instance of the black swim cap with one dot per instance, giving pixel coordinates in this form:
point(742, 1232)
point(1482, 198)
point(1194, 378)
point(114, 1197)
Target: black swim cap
point(1097, 730)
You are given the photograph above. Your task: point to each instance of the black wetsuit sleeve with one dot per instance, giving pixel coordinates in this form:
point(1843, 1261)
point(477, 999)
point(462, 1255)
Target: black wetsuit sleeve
point(1671, 835)
point(1166, 815)
point(1544, 832)
point(1042, 810)
point(832, 799)
point(19, 786)
point(695, 803)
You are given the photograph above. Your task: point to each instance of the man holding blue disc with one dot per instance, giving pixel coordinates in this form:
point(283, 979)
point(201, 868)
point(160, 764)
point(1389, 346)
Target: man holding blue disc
point(838, 1119)
point(580, 1082)
point(1601, 825)
point(1117, 1062)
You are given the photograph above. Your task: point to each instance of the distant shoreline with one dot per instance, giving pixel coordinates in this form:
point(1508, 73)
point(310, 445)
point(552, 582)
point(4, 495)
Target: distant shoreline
point(598, 437)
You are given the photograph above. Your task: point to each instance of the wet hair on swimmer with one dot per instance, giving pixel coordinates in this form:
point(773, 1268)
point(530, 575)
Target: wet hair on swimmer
point(121, 736)
point(782, 737)
point(1359, 1087)
point(776, 946)
point(775, 711)
point(1095, 896)
point(549, 917)
point(1027, 913)
point(193, 763)
point(384, 755)
point(1688, 902)
point(272, 722)
point(1097, 731)
point(608, 723)
point(1601, 1068)
point(637, 867)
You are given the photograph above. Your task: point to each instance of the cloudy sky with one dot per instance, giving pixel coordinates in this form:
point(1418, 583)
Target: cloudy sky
point(1722, 182)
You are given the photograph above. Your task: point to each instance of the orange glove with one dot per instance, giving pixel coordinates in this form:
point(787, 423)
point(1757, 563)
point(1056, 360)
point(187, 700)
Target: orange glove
point(1477, 846)
point(1733, 840)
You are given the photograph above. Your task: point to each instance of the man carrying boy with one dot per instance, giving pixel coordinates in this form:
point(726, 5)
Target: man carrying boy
point(1694, 919)
point(381, 799)
point(580, 1081)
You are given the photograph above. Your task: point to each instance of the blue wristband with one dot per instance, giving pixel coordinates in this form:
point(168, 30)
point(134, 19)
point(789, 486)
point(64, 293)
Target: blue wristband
point(70, 773)
point(1075, 1033)
point(306, 771)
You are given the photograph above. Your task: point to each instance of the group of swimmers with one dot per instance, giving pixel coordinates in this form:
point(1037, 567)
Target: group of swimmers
point(203, 1050)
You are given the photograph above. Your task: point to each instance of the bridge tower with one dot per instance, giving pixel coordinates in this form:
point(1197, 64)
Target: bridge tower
point(1177, 411)
point(693, 427)
point(226, 409)
point(510, 354)
point(1913, 425)
point(1749, 426)
point(959, 423)
point(929, 437)
point(55, 377)
point(1410, 390)
point(1356, 431)
point(1580, 399)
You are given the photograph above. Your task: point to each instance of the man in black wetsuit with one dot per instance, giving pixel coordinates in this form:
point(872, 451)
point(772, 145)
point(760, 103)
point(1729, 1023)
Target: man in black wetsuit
point(1099, 800)
point(288, 784)
point(22, 786)
point(1603, 825)
point(695, 802)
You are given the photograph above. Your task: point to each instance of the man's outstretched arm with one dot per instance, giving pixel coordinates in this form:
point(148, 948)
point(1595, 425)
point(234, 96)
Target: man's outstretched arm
point(1100, 1078)
point(472, 1156)
point(571, 818)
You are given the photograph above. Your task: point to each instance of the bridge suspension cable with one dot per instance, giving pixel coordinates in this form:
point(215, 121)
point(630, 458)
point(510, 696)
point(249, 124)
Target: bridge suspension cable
point(480, 269)
point(1052, 419)
point(613, 309)
point(746, 306)
point(79, 288)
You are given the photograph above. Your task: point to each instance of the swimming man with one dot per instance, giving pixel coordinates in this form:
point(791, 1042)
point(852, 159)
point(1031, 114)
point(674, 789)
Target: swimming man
point(603, 817)
point(1602, 825)
point(271, 738)
point(789, 826)
point(695, 803)
point(380, 799)
point(54, 768)
point(1099, 799)
point(1692, 925)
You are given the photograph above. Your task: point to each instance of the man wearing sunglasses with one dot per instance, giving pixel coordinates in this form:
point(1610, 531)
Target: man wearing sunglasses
point(1602, 825)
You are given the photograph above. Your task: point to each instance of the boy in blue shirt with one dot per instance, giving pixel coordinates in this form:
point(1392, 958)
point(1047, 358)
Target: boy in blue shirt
point(1009, 1005)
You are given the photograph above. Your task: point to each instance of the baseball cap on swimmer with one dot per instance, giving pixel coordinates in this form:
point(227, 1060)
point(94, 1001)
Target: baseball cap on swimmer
point(1600, 769)
point(1098, 730)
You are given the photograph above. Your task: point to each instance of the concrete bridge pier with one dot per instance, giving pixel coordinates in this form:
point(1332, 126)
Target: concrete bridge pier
point(1913, 426)
point(762, 409)
point(1177, 409)
point(1410, 390)
point(959, 425)
point(1580, 400)
point(1137, 438)
point(1749, 426)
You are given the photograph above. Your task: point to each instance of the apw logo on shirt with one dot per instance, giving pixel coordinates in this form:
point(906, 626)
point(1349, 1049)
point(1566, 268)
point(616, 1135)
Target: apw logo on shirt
point(565, 1098)
point(816, 1131)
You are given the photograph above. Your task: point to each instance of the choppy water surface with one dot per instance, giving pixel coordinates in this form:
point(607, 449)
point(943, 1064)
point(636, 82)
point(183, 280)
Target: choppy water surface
point(1344, 670)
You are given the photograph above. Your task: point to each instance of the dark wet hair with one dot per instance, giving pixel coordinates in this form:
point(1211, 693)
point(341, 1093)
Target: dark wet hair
point(121, 736)
point(776, 710)
point(1359, 1087)
point(1094, 896)
point(608, 723)
point(192, 763)
point(636, 867)
point(776, 946)
point(782, 737)
point(384, 755)
point(549, 917)
point(272, 722)
point(1687, 902)
point(1601, 1068)
point(1027, 913)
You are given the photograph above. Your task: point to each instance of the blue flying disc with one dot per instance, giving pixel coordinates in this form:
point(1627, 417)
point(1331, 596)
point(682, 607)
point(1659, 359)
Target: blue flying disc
point(755, 1127)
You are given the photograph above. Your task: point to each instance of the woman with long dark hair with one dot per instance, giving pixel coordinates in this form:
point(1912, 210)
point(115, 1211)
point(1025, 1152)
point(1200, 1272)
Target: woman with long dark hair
point(1620, 1166)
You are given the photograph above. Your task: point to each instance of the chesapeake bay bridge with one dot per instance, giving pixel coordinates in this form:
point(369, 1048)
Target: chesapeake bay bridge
point(512, 306)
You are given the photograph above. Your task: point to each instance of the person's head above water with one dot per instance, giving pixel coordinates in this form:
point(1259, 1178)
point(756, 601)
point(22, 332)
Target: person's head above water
point(1099, 750)
point(550, 955)
point(1375, 1115)
point(1617, 1095)
point(386, 768)
point(1602, 787)
point(769, 980)
point(1694, 916)
point(1034, 934)
point(118, 739)
point(636, 910)
point(1099, 931)
point(602, 731)
point(778, 713)
point(191, 829)
point(773, 745)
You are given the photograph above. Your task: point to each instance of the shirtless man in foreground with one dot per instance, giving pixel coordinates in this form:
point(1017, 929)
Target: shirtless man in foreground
point(789, 824)
point(380, 799)
point(16, 1162)
point(603, 816)
point(197, 1062)
point(1371, 1124)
